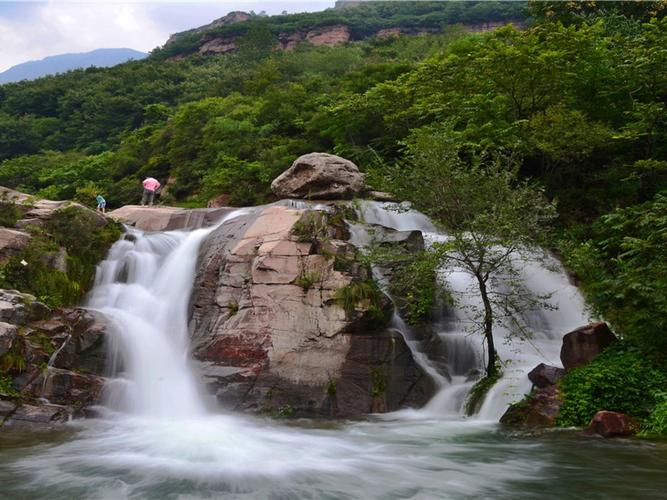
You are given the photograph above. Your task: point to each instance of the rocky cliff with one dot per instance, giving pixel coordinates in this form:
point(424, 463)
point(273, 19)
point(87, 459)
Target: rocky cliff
point(287, 321)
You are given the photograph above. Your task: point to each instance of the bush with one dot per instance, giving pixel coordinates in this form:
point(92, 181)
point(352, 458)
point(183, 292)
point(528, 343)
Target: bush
point(621, 379)
point(656, 423)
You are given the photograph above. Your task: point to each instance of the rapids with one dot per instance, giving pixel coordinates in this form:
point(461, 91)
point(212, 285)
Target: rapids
point(156, 439)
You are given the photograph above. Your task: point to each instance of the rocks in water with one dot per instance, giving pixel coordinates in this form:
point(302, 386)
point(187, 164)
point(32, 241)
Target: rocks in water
point(545, 375)
point(612, 424)
point(583, 344)
point(538, 409)
point(60, 359)
point(319, 176)
point(271, 331)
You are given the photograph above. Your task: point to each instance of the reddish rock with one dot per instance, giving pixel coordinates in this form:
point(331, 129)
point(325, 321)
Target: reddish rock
point(545, 375)
point(584, 344)
point(538, 409)
point(612, 424)
point(329, 35)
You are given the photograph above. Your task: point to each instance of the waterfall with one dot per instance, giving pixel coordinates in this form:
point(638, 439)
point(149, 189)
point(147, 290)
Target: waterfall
point(144, 288)
point(463, 351)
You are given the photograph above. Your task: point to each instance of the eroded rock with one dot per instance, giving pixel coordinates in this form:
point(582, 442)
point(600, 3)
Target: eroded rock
point(538, 409)
point(271, 336)
point(319, 176)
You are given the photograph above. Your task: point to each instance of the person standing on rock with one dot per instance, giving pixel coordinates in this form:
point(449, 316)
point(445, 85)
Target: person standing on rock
point(151, 185)
point(101, 203)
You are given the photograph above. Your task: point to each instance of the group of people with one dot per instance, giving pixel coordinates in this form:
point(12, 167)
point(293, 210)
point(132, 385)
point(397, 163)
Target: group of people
point(151, 186)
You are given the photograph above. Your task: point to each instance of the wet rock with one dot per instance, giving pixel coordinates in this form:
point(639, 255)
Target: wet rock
point(545, 375)
point(319, 176)
point(8, 333)
point(67, 387)
point(584, 344)
point(38, 416)
point(538, 409)
point(612, 424)
point(6, 409)
point(272, 338)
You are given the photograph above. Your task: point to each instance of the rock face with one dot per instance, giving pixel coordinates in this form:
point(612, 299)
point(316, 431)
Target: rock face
point(583, 344)
point(540, 409)
point(167, 218)
point(319, 176)
point(270, 332)
point(612, 424)
point(329, 35)
point(63, 363)
point(545, 375)
point(12, 242)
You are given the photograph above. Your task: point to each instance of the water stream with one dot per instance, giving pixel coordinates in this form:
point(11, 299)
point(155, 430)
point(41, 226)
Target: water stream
point(157, 440)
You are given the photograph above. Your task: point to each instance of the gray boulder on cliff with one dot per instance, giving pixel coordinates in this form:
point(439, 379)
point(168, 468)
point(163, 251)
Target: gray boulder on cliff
point(319, 176)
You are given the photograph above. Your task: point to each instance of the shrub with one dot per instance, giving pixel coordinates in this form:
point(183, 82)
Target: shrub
point(621, 379)
point(351, 295)
point(656, 423)
point(9, 214)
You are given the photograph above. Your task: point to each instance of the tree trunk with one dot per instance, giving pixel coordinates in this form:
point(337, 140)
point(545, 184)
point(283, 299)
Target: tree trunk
point(488, 329)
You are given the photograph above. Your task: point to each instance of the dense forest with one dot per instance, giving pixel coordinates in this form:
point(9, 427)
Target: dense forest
point(577, 99)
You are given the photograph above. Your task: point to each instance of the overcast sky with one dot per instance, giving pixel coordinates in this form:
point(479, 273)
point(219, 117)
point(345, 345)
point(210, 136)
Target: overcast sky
point(32, 30)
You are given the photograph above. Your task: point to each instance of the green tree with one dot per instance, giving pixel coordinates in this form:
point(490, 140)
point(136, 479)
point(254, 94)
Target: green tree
point(494, 220)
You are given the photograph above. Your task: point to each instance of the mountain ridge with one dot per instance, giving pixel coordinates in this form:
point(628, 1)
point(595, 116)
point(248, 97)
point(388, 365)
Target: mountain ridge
point(61, 63)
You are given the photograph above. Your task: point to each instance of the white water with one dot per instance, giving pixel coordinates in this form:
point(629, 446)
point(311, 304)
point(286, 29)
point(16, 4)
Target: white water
point(143, 288)
point(159, 442)
point(465, 352)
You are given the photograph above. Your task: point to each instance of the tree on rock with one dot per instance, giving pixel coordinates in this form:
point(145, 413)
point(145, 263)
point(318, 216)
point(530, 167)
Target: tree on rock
point(495, 222)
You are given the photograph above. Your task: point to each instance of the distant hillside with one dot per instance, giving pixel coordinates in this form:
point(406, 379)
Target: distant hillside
point(65, 62)
point(348, 21)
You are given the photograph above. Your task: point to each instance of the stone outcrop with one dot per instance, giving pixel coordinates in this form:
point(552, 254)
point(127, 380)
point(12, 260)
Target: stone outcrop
point(545, 375)
point(319, 176)
point(61, 368)
point(612, 424)
point(584, 344)
point(329, 35)
point(270, 331)
point(217, 45)
point(12, 241)
point(162, 218)
point(539, 409)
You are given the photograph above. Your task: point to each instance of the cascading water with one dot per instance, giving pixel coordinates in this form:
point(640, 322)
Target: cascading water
point(464, 352)
point(164, 444)
point(144, 288)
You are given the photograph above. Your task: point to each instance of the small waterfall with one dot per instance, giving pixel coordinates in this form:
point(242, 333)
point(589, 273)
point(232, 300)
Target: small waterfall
point(464, 352)
point(143, 288)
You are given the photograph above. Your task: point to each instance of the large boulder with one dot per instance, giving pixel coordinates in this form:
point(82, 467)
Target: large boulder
point(12, 242)
point(544, 375)
point(584, 344)
point(612, 424)
point(319, 176)
point(538, 409)
point(271, 335)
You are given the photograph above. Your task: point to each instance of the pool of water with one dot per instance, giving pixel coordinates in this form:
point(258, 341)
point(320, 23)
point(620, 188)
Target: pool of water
point(237, 457)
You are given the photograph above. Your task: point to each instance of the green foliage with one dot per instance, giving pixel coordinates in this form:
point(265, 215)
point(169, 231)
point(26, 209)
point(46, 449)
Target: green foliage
point(378, 381)
point(622, 379)
point(622, 265)
point(9, 214)
point(6, 387)
point(311, 228)
point(656, 423)
point(365, 293)
point(331, 387)
point(86, 240)
point(307, 279)
point(286, 411)
point(478, 392)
